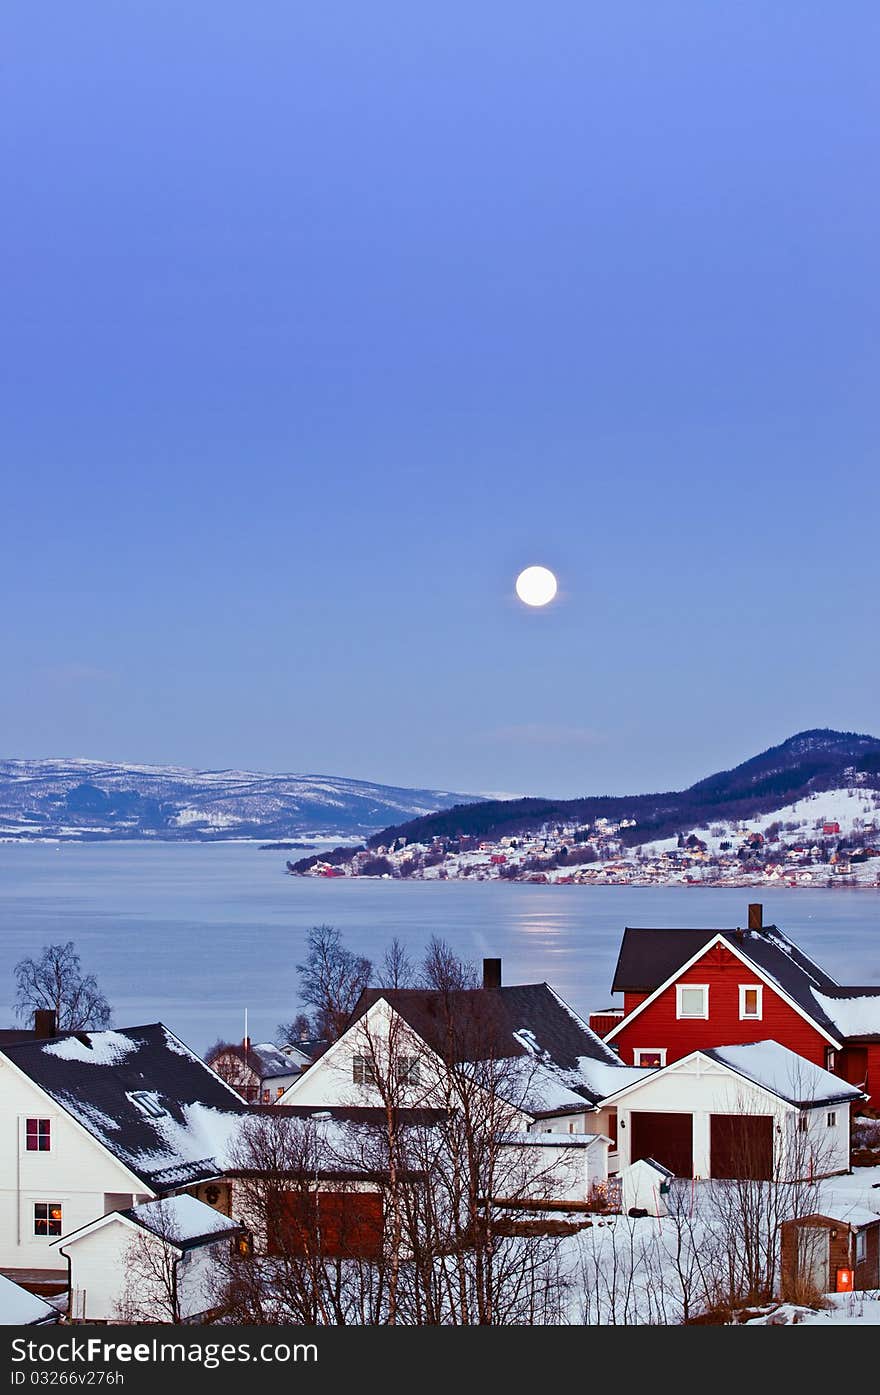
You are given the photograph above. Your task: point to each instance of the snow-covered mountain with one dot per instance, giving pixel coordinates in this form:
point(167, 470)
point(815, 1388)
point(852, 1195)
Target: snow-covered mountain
point(90, 799)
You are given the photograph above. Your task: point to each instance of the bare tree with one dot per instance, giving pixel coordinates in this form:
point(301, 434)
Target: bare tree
point(151, 1291)
point(442, 969)
point(397, 969)
point(56, 981)
point(295, 1032)
point(331, 980)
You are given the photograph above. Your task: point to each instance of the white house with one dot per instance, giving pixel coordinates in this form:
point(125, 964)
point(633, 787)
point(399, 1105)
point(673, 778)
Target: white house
point(260, 1071)
point(159, 1256)
point(545, 1059)
point(96, 1122)
point(757, 1110)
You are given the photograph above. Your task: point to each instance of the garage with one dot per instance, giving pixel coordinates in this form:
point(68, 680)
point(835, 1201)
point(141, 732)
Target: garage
point(742, 1146)
point(667, 1138)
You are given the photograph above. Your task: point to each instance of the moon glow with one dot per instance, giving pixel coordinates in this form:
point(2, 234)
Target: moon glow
point(536, 586)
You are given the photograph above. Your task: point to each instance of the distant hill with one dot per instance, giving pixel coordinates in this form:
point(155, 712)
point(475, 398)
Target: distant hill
point(808, 763)
point(92, 800)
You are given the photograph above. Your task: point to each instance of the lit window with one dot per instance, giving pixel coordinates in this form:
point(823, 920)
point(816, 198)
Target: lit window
point(47, 1218)
point(362, 1070)
point(267, 1097)
point(653, 1058)
point(831, 1119)
point(38, 1135)
point(692, 999)
point(279, 1091)
point(750, 1001)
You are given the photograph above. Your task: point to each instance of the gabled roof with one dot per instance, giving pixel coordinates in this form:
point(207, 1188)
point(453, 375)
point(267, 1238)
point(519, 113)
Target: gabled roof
point(143, 1095)
point(770, 1066)
point(265, 1059)
point(648, 958)
point(563, 1064)
point(183, 1221)
point(785, 1074)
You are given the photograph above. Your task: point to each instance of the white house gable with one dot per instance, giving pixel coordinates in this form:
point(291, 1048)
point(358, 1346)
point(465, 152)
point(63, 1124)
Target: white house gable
point(49, 1164)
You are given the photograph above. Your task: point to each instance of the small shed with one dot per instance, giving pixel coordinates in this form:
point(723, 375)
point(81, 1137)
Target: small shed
point(644, 1184)
point(554, 1168)
point(832, 1251)
point(159, 1253)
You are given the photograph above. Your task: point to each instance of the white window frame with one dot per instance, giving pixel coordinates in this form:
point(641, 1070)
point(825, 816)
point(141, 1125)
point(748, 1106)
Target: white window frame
point(691, 1016)
point(861, 1249)
point(649, 1051)
point(363, 1070)
point(37, 1119)
point(751, 988)
point(48, 1234)
point(831, 1119)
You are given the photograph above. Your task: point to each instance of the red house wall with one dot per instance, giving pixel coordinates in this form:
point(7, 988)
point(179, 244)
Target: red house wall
point(658, 1026)
point(631, 1001)
point(873, 1082)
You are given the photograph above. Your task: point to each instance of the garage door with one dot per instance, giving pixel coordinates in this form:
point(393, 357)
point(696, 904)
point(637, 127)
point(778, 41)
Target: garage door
point(667, 1138)
point(742, 1146)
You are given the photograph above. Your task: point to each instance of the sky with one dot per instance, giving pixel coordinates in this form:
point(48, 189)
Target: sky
point(321, 322)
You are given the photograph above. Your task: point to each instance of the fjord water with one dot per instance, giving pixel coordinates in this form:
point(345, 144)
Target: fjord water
point(192, 934)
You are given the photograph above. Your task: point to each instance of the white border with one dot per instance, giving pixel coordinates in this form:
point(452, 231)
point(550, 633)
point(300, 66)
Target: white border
point(753, 967)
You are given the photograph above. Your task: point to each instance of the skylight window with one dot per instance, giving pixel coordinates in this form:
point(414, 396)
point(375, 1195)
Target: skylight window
point(148, 1103)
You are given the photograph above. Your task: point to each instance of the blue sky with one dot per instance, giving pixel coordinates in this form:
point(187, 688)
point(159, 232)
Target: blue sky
point(322, 321)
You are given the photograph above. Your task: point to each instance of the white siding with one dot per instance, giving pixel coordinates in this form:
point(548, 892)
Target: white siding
point(76, 1172)
point(701, 1087)
point(99, 1264)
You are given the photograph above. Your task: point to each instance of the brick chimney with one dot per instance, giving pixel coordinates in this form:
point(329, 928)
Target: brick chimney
point(491, 973)
point(756, 917)
point(45, 1023)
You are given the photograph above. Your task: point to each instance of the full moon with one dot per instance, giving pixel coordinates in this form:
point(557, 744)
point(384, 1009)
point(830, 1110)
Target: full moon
point(536, 586)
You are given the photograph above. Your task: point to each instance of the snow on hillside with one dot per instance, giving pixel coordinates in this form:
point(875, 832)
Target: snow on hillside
point(98, 799)
point(854, 809)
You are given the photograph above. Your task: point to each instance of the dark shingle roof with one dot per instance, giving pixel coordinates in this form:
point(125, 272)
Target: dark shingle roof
point(479, 1023)
point(649, 957)
point(265, 1059)
point(143, 1094)
point(564, 1061)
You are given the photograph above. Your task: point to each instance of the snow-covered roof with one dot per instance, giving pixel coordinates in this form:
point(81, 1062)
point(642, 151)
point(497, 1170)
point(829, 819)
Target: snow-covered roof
point(839, 1209)
point(554, 1061)
point(784, 1073)
point(555, 1140)
point(854, 1013)
point(18, 1308)
point(549, 1088)
point(184, 1221)
point(150, 1100)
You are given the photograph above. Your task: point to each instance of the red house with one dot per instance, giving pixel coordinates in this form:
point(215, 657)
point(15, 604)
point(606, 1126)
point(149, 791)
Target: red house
point(831, 828)
point(687, 990)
